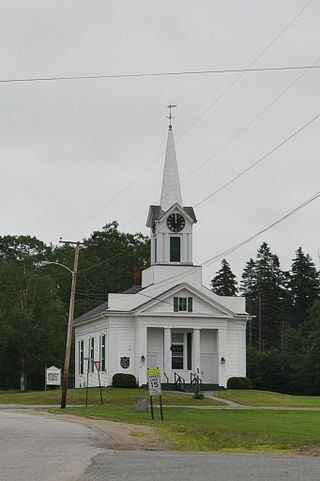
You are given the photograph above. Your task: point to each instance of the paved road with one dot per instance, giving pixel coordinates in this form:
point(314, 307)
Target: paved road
point(163, 466)
point(37, 448)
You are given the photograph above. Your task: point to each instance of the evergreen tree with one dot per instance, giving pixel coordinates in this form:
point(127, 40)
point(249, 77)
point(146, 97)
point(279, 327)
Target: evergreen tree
point(263, 284)
point(224, 283)
point(248, 288)
point(310, 363)
point(304, 287)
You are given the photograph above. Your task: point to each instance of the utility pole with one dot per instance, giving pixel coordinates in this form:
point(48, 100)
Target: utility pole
point(70, 321)
point(260, 322)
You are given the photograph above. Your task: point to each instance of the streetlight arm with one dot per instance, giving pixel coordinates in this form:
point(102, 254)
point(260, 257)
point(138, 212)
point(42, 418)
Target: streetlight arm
point(46, 263)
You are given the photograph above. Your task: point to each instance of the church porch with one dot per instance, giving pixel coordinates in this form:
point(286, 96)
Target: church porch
point(182, 352)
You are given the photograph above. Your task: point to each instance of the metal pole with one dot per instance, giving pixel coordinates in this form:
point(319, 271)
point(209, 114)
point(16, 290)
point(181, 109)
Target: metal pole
point(161, 408)
point(87, 386)
point(151, 406)
point(69, 331)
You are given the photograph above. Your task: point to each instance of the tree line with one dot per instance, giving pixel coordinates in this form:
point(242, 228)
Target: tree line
point(283, 336)
point(34, 297)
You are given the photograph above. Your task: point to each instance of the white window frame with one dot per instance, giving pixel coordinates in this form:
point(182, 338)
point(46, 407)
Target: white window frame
point(178, 344)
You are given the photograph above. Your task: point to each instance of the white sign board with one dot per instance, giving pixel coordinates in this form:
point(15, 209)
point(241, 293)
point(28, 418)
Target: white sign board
point(154, 382)
point(53, 376)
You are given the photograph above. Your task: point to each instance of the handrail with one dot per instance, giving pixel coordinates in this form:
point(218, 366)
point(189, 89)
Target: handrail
point(178, 379)
point(194, 378)
point(166, 377)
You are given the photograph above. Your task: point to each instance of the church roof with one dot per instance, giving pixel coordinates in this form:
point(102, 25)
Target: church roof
point(170, 190)
point(93, 313)
point(133, 290)
point(155, 213)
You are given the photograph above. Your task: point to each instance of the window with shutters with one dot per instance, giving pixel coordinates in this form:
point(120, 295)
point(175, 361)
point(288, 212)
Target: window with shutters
point(182, 304)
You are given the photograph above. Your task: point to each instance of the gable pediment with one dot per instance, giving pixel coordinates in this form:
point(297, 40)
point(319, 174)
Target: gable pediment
point(188, 212)
point(202, 305)
point(157, 214)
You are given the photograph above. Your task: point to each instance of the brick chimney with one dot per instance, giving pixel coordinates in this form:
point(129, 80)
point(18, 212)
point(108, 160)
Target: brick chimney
point(137, 275)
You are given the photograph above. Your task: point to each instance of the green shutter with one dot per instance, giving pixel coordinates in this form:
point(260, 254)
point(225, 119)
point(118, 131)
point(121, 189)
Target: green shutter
point(175, 304)
point(189, 351)
point(175, 255)
point(189, 304)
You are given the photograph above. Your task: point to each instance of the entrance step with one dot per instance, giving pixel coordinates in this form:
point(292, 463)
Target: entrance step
point(187, 387)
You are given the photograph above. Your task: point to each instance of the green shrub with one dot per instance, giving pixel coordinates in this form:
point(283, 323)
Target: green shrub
point(124, 380)
point(239, 383)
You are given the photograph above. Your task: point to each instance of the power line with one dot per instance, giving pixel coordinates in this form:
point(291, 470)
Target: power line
point(235, 247)
point(238, 133)
point(242, 73)
point(236, 177)
point(262, 231)
point(216, 100)
point(247, 125)
point(116, 196)
point(160, 74)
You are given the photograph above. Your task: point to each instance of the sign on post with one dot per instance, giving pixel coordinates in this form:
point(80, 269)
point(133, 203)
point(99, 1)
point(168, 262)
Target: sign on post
point(154, 382)
point(154, 385)
point(53, 376)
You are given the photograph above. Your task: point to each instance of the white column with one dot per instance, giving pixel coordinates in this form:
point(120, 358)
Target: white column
point(152, 242)
point(142, 353)
point(164, 248)
point(196, 349)
point(222, 355)
point(167, 352)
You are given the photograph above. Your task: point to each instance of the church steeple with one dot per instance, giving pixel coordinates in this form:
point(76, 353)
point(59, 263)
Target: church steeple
point(171, 222)
point(170, 190)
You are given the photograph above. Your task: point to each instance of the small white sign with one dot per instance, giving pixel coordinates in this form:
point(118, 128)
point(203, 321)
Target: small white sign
point(154, 382)
point(53, 376)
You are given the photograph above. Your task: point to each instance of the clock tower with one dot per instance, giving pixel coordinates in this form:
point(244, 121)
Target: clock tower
point(170, 222)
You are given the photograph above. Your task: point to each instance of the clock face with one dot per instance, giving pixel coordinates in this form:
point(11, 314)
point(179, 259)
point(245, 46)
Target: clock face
point(176, 222)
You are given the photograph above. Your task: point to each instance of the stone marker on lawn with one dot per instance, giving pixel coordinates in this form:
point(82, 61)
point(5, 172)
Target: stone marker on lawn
point(141, 404)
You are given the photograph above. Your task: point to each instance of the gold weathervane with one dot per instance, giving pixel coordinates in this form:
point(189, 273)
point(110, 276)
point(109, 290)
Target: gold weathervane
point(170, 116)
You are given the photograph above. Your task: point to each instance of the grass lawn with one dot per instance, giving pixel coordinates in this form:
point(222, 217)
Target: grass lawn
point(111, 396)
point(269, 399)
point(223, 430)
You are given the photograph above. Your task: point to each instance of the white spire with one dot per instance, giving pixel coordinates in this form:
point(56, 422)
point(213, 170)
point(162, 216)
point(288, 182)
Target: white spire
point(170, 190)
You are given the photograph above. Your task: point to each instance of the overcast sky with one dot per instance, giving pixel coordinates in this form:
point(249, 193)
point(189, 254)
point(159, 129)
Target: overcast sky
point(67, 148)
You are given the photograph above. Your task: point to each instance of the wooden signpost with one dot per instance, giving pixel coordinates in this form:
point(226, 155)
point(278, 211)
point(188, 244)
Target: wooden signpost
point(154, 385)
point(97, 365)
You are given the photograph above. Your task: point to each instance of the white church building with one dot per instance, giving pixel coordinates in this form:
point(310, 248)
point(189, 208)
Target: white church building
point(171, 320)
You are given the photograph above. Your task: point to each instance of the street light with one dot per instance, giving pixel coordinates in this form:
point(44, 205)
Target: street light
point(70, 320)
point(47, 263)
